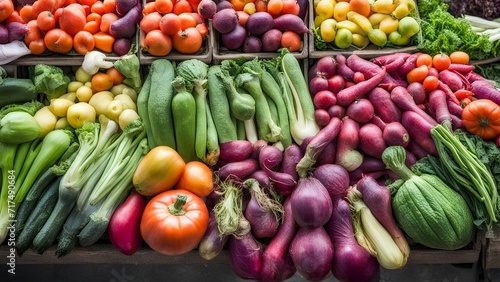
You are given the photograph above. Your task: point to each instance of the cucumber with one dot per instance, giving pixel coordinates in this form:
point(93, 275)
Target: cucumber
point(184, 115)
point(160, 98)
point(142, 109)
point(16, 90)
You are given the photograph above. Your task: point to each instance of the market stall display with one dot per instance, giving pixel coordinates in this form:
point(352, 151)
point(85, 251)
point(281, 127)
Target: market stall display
point(262, 160)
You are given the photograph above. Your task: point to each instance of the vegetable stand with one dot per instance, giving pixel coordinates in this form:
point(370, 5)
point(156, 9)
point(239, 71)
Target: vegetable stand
point(278, 157)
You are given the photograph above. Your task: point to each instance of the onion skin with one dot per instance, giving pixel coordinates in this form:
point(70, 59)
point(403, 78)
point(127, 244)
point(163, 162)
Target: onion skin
point(239, 170)
point(245, 256)
point(291, 157)
point(349, 257)
point(264, 224)
point(312, 253)
point(277, 263)
point(235, 151)
point(311, 203)
point(335, 178)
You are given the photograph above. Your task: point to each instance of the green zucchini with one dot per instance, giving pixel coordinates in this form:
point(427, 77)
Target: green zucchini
point(16, 90)
point(38, 216)
point(184, 115)
point(219, 106)
point(142, 109)
point(34, 194)
point(160, 103)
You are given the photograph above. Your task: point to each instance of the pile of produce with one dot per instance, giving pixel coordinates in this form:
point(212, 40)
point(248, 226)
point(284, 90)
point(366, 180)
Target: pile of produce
point(257, 26)
point(172, 25)
point(340, 25)
point(254, 156)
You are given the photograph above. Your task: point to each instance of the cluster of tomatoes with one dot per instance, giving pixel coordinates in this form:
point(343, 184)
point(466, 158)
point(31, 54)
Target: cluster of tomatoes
point(61, 26)
point(172, 25)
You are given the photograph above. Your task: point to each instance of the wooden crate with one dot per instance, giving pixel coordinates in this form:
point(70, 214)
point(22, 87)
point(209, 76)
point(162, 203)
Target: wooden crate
point(490, 255)
point(368, 52)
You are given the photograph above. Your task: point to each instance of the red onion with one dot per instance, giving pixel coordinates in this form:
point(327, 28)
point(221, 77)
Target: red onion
point(245, 254)
point(351, 262)
point(236, 150)
point(262, 178)
point(312, 253)
point(270, 157)
point(238, 170)
point(4, 34)
point(311, 203)
point(262, 212)
point(334, 178)
point(17, 30)
point(291, 157)
point(277, 263)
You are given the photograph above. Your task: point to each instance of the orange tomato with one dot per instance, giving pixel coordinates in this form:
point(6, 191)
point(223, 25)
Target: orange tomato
point(72, 19)
point(97, 7)
point(33, 33)
point(106, 21)
point(441, 61)
point(158, 171)
point(164, 6)
point(424, 59)
point(46, 20)
point(187, 41)
point(187, 20)
point(238, 5)
point(417, 74)
point(14, 17)
point(290, 7)
point(37, 46)
point(430, 83)
point(116, 75)
point(174, 222)
point(58, 41)
point(274, 7)
point(197, 177)
point(109, 6)
point(203, 29)
point(361, 7)
point(149, 8)
point(150, 22)
point(6, 8)
point(26, 13)
point(291, 41)
point(157, 43)
point(170, 24)
point(101, 82)
point(83, 42)
point(459, 57)
point(182, 6)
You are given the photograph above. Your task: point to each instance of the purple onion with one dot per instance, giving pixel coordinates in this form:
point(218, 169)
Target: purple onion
point(212, 242)
point(4, 34)
point(334, 178)
point(311, 203)
point(17, 30)
point(291, 157)
point(238, 170)
point(235, 151)
point(245, 255)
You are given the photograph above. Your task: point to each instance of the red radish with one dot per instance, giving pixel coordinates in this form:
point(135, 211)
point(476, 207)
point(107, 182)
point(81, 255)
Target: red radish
point(484, 90)
point(349, 84)
point(290, 22)
point(311, 203)
point(327, 156)
point(378, 122)
point(451, 95)
point(212, 242)
point(291, 157)
point(262, 178)
point(262, 212)
point(270, 157)
point(326, 66)
point(391, 62)
point(245, 253)
point(410, 159)
point(336, 111)
point(351, 262)
point(335, 179)
point(312, 253)
point(347, 154)
point(277, 264)
point(314, 148)
point(324, 99)
point(358, 77)
point(415, 149)
point(336, 83)
point(124, 225)
point(256, 146)
point(457, 122)
point(461, 68)
point(410, 63)
point(417, 91)
point(384, 107)
point(348, 95)
point(378, 199)
point(433, 72)
point(389, 82)
point(404, 100)
point(361, 110)
point(395, 134)
point(317, 84)
point(472, 76)
point(371, 141)
point(358, 64)
point(451, 79)
point(343, 69)
point(322, 117)
point(420, 132)
point(439, 106)
point(235, 151)
point(238, 170)
point(370, 164)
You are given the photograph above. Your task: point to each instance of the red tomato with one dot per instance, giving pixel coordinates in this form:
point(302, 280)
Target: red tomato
point(174, 222)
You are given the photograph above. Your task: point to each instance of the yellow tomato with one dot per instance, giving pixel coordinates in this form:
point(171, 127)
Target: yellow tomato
point(328, 30)
point(324, 9)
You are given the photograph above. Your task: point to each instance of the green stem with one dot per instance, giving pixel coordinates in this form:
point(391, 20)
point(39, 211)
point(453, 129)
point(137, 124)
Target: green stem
point(177, 208)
